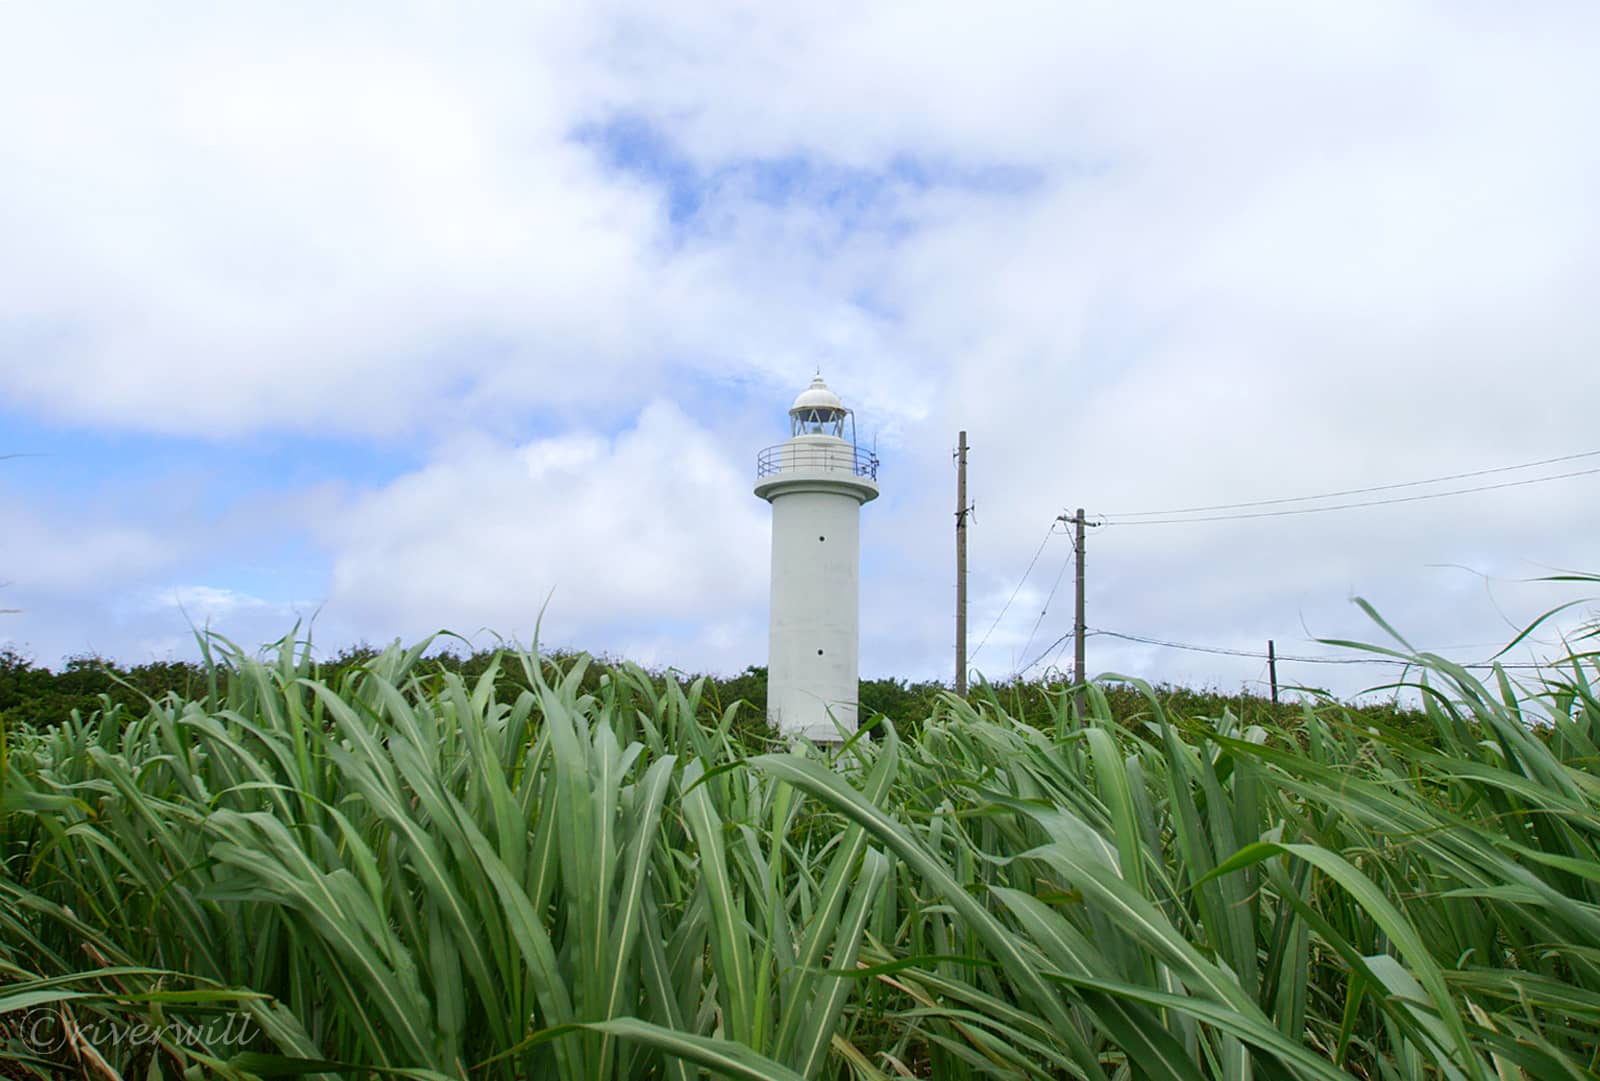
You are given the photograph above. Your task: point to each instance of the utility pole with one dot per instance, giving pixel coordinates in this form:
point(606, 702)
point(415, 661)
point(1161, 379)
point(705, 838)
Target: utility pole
point(1078, 674)
point(1272, 669)
point(961, 567)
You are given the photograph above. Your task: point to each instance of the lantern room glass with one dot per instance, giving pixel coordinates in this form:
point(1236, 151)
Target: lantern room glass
point(819, 421)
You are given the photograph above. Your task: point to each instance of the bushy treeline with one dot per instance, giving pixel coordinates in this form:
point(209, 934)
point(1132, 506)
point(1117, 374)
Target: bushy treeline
point(39, 695)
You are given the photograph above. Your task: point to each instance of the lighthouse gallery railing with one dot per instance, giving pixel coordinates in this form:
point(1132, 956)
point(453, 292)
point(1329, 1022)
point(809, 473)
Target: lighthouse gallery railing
point(788, 457)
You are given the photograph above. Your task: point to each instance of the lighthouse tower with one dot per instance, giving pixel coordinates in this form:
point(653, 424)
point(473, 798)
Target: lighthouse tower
point(816, 483)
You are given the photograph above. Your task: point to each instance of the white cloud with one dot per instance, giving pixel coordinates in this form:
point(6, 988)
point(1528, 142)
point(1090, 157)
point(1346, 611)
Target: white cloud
point(293, 235)
point(654, 527)
point(48, 551)
point(203, 603)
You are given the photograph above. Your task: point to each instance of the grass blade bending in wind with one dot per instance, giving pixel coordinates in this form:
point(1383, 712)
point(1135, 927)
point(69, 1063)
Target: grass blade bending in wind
point(570, 872)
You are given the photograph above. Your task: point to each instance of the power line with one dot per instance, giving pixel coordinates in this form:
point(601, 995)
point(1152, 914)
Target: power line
point(1253, 654)
point(1058, 642)
point(1363, 503)
point(1257, 655)
point(1014, 592)
point(1363, 491)
point(1062, 573)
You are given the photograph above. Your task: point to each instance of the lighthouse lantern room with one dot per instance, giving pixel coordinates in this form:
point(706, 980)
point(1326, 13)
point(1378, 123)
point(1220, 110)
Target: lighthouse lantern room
point(816, 482)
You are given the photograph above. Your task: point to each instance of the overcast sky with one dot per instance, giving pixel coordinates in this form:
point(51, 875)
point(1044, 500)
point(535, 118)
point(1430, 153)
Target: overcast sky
point(411, 317)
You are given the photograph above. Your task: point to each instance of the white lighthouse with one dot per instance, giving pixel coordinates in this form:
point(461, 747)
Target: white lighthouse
point(816, 483)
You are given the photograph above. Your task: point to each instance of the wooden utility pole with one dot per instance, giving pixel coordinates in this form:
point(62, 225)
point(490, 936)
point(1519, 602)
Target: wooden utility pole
point(1077, 615)
point(1272, 669)
point(961, 566)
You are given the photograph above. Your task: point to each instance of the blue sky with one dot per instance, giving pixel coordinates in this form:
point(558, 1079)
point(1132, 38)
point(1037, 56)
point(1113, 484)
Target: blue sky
point(417, 322)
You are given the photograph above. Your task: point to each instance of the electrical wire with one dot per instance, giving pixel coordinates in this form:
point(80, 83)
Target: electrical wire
point(1062, 649)
point(1058, 642)
point(1150, 518)
point(1252, 654)
point(1014, 592)
point(1363, 503)
point(1257, 655)
point(1062, 573)
point(1360, 491)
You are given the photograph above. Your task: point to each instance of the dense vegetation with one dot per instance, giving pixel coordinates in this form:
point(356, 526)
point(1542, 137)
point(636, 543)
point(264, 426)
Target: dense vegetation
point(35, 694)
point(569, 870)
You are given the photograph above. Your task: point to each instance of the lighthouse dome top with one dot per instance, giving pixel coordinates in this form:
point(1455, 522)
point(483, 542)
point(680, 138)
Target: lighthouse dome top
point(818, 411)
point(817, 396)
